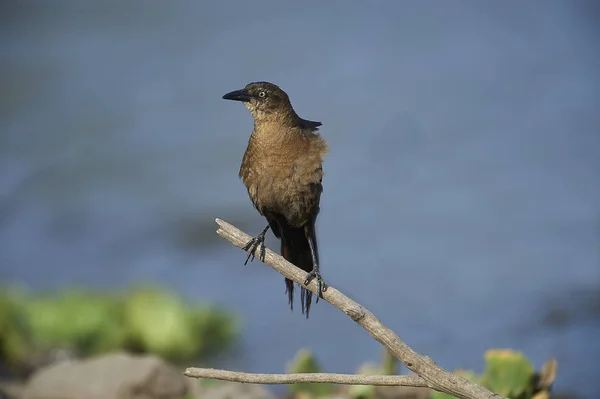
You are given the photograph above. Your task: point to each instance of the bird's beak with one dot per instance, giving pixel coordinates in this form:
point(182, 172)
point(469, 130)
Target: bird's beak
point(238, 95)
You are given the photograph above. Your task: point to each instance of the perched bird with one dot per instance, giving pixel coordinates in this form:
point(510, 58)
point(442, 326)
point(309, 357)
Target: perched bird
point(282, 170)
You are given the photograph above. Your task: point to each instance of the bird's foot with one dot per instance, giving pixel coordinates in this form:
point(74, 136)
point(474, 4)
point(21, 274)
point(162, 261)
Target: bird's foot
point(253, 244)
point(321, 286)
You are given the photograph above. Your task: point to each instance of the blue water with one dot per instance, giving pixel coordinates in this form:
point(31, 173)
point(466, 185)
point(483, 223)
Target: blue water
point(462, 191)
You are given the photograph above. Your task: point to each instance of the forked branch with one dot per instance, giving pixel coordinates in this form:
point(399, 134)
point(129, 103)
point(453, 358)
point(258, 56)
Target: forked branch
point(428, 372)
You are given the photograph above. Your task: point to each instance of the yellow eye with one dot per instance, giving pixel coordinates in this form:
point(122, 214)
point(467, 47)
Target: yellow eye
point(262, 94)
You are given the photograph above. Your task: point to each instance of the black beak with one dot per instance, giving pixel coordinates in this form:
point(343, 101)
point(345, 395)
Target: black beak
point(238, 95)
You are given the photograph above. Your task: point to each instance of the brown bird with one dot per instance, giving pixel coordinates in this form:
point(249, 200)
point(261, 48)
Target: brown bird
point(282, 170)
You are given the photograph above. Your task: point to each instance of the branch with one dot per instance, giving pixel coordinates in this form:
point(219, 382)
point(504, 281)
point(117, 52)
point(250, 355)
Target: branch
point(331, 378)
point(432, 375)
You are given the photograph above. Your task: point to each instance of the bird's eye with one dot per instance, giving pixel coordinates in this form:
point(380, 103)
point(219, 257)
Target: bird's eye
point(262, 94)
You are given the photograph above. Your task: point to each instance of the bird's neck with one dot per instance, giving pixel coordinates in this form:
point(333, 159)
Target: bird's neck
point(287, 118)
point(274, 123)
point(276, 131)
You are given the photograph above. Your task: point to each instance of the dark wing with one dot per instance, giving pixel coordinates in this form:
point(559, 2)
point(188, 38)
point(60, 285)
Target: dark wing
point(310, 125)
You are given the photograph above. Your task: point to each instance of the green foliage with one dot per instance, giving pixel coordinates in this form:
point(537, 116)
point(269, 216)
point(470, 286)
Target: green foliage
point(390, 363)
point(366, 391)
point(305, 362)
point(160, 322)
point(389, 366)
point(147, 320)
point(507, 373)
point(73, 319)
point(216, 327)
point(207, 382)
point(15, 335)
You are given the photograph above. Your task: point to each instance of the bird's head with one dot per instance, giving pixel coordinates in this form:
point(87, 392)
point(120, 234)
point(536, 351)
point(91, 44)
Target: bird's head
point(263, 99)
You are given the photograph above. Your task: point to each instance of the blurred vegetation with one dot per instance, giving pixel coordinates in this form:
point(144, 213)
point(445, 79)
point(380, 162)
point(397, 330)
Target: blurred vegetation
point(15, 334)
point(306, 362)
point(507, 373)
point(149, 319)
point(510, 374)
point(145, 319)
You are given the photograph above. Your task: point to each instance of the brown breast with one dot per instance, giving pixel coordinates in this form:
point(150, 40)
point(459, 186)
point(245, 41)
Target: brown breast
point(283, 173)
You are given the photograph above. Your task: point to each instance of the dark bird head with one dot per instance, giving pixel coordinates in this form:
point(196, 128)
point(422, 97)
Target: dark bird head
point(265, 100)
point(261, 98)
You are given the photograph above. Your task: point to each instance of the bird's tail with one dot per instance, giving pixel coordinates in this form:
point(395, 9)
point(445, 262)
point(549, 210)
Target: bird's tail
point(295, 249)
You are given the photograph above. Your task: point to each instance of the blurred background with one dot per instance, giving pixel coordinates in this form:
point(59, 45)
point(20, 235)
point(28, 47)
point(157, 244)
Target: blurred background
point(461, 199)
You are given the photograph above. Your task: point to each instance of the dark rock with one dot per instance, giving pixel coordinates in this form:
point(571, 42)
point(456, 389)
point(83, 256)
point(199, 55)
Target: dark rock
point(113, 376)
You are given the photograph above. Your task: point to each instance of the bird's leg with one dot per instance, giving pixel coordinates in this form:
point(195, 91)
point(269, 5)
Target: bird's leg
point(254, 243)
point(321, 286)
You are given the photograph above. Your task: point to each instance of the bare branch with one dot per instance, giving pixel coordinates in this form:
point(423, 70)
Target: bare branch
point(434, 377)
point(294, 378)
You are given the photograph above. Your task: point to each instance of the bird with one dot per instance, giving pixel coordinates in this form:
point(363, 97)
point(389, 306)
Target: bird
point(282, 169)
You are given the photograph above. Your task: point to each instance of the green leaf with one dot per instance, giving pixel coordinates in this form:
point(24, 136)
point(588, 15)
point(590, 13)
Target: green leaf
point(215, 327)
point(88, 323)
point(15, 331)
point(305, 362)
point(507, 373)
point(160, 323)
point(365, 391)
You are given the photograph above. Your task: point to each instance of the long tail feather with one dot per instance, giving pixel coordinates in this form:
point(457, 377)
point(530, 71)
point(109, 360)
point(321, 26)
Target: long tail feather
point(296, 250)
